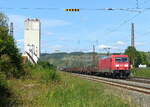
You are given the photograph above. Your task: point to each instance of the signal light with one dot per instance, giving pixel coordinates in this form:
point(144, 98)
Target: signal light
point(76, 10)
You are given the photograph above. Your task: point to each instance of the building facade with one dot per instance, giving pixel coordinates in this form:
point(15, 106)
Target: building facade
point(32, 38)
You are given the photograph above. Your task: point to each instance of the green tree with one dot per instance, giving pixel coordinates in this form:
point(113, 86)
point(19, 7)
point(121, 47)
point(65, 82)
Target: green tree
point(132, 53)
point(141, 58)
point(3, 20)
point(10, 58)
point(136, 57)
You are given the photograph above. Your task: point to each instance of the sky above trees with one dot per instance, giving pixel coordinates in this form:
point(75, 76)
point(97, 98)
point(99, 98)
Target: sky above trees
point(78, 31)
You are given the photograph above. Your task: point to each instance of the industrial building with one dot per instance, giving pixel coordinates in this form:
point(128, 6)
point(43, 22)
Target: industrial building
point(32, 39)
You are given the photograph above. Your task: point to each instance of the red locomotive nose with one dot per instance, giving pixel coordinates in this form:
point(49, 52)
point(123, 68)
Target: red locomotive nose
point(121, 66)
point(115, 65)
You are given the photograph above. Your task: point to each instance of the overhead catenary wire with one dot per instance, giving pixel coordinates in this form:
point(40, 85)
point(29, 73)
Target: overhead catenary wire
point(128, 20)
point(137, 9)
point(148, 32)
point(140, 11)
point(144, 2)
point(123, 23)
point(81, 9)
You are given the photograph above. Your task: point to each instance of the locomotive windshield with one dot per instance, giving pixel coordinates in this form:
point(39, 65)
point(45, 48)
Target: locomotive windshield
point(121, 59)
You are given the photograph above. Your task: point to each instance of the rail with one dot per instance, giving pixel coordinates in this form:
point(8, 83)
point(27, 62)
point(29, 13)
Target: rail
point(130, 85)
point(139, 79)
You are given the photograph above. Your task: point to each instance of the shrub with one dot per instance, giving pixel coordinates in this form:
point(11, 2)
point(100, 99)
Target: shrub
point(3, 82)
point(44, 75)
point(10, 58)
point(47, 65)
point(4, 91)
point(8, 67)
point(49, 75)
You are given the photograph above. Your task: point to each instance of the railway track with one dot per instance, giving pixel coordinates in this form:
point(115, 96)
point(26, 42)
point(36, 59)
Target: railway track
point(130, 85)
point(140, 79)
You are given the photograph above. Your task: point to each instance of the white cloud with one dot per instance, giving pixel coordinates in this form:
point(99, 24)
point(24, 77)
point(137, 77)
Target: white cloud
point(120, 43)
point(107, 46)
point(103, 46)
point(115, 46)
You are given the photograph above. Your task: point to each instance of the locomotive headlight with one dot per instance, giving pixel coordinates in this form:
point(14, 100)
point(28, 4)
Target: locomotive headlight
point(126, 65)
point(117, 65)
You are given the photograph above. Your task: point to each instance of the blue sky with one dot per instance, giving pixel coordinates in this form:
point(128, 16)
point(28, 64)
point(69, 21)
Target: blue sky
point(78, 31)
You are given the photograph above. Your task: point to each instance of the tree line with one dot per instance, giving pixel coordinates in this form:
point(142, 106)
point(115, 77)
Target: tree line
point(136, 57)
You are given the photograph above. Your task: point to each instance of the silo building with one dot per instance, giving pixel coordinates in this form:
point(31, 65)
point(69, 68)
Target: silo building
point(32, 39)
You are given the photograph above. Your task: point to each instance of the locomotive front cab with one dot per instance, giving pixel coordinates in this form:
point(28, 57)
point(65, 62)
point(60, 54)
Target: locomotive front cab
point(121, 63)
point(121, 66)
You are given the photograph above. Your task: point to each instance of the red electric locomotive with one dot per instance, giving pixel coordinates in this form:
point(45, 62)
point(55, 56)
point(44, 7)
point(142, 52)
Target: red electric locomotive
point(115, 65)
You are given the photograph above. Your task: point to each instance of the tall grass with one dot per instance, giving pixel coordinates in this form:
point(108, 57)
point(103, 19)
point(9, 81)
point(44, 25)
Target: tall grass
point(29, 89)
point(45, 75)
point(6, 96)
point(45, 87)
point(68, 92)
point(141, 72)
point(75, 92)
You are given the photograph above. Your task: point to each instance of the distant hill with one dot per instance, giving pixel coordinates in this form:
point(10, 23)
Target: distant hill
point(75, 59)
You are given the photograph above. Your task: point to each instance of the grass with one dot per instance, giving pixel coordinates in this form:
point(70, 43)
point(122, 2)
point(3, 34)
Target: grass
point(75, 92)
point(44, 75)
point(64, 91)
point(7, 98)
point(141, 72)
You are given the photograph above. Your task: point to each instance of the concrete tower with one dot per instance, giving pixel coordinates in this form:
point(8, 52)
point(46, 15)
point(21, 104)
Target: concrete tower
point(32, 38)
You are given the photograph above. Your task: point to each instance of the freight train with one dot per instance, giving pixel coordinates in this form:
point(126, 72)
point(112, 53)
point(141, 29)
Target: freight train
point(116, 66)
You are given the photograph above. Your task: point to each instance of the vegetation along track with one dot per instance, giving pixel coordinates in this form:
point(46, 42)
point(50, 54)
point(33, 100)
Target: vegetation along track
point(130, 85)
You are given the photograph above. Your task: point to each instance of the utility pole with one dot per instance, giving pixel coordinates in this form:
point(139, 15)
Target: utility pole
point(132, 35)
point(94, 56)
point(132, 44)
point(11, 29)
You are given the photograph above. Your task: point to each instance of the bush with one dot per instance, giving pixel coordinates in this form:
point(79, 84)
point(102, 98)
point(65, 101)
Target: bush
point(4, 91)
point(10, 58)
point(3, 82)
point(47, 65)
point(49, 75)
point(45, 75)
point(9, 68)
